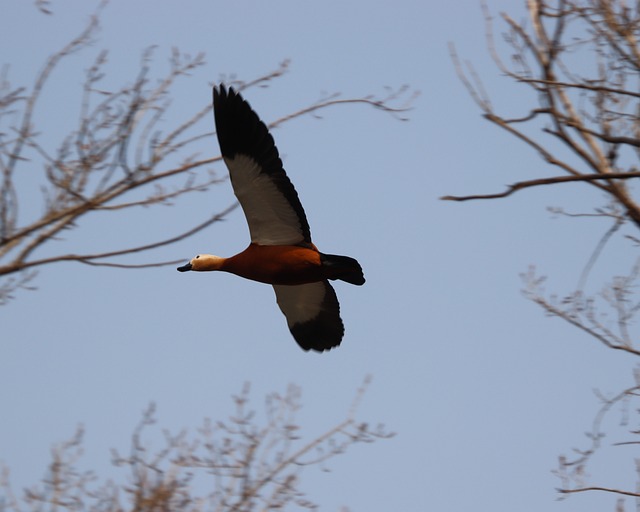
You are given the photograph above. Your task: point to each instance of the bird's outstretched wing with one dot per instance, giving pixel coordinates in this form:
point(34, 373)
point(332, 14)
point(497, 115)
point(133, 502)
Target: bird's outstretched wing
point(313, 314)
point(269, 200)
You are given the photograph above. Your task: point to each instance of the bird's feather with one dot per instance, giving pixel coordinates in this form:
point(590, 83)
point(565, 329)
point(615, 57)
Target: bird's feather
point(267, 196)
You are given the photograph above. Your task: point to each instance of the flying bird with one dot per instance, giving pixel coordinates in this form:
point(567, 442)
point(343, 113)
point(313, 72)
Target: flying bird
point(281, 252)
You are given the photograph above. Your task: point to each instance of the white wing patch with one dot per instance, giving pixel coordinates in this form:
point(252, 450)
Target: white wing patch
point(271, 219)
point(300, 303)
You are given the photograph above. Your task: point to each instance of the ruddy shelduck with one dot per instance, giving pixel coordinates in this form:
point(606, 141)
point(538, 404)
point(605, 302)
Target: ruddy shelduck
point(281, 252)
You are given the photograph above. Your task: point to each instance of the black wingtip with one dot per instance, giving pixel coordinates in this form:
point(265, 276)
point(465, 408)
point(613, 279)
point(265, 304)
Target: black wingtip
point(221, 93)
point(240, 130)
point(320, 334)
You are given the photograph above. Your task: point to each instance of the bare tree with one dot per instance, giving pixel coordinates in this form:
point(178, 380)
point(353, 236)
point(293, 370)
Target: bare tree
point(236, 465)
point(120, 156)
point(580, 59)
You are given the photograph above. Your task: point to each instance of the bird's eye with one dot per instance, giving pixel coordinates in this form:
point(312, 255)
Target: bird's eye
point(197, 256)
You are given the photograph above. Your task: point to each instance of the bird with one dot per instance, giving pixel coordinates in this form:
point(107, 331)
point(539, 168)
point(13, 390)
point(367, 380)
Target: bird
point(281, 252)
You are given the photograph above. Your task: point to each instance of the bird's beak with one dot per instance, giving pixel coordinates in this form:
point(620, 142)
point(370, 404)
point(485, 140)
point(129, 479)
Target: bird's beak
point(184, 268)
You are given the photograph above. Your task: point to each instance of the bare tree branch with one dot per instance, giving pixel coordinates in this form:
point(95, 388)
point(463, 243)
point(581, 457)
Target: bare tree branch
point(593, 116)
point(605, 489)
point(546, 181)
point(579, 60)
point(247, 465)
point(90, 258)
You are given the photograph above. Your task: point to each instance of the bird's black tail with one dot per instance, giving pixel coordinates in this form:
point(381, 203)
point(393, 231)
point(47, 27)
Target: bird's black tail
point(343, 268)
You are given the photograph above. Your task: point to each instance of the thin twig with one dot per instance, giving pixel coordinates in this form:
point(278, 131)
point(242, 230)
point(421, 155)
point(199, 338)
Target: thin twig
point(604, 489)
point(547, 181)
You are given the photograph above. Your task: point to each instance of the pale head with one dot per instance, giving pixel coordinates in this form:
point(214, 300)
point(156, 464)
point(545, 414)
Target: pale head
point(202, 263)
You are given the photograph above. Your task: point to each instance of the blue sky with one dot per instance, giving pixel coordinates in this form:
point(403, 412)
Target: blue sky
point(483, 391)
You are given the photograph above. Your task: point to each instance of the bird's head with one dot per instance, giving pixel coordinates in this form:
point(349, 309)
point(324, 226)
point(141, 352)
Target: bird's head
point(203, 262)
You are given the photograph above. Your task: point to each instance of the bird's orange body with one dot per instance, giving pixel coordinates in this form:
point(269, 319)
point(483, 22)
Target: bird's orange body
point(277, 264)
